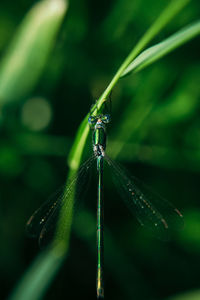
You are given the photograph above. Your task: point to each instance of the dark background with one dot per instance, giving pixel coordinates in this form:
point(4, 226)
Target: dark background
point(155, 116)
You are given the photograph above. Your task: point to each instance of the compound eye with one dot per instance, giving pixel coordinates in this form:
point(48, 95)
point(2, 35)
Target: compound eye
point(106, 118)
point(91, 120)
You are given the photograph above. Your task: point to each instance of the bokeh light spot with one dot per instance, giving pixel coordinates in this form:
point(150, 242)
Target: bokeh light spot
point(36, 114)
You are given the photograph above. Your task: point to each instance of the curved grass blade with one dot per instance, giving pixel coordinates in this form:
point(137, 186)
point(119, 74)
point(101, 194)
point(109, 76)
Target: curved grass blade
point(38, 276)
point(44, 221)
point(27, 55)
point(153, 212)
point(157, 51)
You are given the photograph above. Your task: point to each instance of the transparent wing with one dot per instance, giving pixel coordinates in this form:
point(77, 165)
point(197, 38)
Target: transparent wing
point(151, 210)
point(43, 222)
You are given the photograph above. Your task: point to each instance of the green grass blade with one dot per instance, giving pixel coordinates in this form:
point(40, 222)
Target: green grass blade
point(26, 57)
point(154, 53)
point(75, 155)
point(165, 17)
point(36, 280)
point(190, 295)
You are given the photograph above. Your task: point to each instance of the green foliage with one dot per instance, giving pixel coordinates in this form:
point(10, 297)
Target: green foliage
point(194, 295)
point(36, 279)
point(28, 52)
point(152, 54)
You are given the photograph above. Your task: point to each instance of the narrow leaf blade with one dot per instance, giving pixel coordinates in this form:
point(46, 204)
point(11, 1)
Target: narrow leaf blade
point(157, 51)
point(27, 54)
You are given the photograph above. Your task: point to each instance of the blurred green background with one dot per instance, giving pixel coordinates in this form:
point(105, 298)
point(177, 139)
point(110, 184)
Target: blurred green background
point(155, 133)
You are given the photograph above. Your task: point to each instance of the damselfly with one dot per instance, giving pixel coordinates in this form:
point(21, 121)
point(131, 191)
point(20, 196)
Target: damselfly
point(150, 210)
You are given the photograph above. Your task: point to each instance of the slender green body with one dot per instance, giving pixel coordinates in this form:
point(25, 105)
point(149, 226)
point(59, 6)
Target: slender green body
point(99, 145)
point(100, 230)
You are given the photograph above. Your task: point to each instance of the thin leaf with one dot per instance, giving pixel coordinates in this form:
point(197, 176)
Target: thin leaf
point(165, 17)
point(190, 295)
point(38, 277)
point(28, 52)
point(154, 53)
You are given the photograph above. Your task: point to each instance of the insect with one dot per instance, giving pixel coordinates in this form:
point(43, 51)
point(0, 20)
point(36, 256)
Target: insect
point(150, 210)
